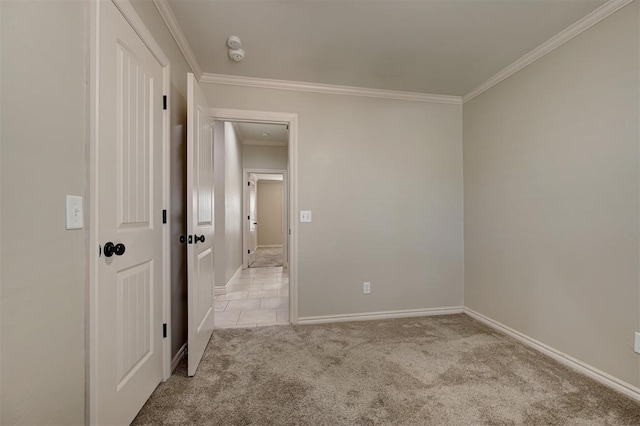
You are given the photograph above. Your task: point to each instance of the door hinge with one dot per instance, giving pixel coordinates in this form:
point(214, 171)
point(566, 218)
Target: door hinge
point(248, 251)
point(248, 217)
point(164, 330)
point(164, 216)
point(164, 102)
point(248, 183)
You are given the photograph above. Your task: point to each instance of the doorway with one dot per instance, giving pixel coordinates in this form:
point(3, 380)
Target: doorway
point(266, 288)
point(266, 223)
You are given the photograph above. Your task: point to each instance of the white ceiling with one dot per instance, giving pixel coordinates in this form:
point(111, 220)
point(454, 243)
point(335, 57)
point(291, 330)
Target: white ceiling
point(253, 134)
point(429, 46)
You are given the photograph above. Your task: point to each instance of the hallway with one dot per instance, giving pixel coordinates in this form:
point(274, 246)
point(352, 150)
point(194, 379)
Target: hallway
point(257, 297)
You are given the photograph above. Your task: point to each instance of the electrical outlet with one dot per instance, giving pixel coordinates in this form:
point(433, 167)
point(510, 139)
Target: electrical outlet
point(366, 287)
point(636, 343)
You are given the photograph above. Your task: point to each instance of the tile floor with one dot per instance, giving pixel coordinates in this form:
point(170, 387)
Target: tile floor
point(257, 297)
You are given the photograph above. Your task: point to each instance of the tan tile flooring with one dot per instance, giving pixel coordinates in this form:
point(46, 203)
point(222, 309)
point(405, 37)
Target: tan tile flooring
point(257, 297)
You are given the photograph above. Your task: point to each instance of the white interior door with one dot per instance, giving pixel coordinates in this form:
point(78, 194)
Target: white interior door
point(253, 219)
point(200, 223)
point(128, 337)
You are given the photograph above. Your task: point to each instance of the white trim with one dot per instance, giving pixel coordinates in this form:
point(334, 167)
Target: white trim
point(366, 316)
point(130, 15)
point(264, 83)
point(582, 367)
point(222, 289)
point(176, 359)
point(554, 42)
point(178, 36)
point(264, 143)
point(270, 245)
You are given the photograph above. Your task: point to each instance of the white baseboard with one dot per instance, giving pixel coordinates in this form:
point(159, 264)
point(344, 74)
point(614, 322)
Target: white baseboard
point(271, 246)
point(586, 369)
point(222, 289)
point(365, 316)
point(176, 359)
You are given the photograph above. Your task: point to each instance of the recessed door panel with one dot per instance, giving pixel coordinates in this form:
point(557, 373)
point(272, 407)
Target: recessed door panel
point(200, 223)
point(135, 128)
point(134, 319)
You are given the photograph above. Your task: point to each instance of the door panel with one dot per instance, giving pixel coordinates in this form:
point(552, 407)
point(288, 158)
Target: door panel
point(200, 224)
point(129, 149)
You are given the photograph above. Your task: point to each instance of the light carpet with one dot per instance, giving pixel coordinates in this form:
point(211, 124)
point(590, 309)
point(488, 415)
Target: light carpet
point(267, 257)
point(447, 370)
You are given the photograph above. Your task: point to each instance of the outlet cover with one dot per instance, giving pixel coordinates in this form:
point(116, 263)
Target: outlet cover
point(636, 343)
point(305, 216)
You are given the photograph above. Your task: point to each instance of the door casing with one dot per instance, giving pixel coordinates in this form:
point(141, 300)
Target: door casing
point(290, 119)
point(93, 190)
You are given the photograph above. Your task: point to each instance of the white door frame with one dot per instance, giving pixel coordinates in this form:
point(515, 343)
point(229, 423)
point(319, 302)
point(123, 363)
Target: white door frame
point(291, 119)
point(91, 372)
point(245, 212)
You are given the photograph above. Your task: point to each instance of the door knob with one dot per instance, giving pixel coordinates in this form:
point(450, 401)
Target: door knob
point(110, 249)
point(183, 239)
point(199, 239)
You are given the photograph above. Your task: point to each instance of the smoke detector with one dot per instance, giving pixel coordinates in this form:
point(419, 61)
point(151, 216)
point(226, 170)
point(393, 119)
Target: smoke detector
point(234, 42)
point(236, 54)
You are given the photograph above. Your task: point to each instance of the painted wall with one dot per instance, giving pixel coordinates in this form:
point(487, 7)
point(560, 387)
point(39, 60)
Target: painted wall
point(269, 212)
point(551, 198)
point(178, 166)
point(384, 181)
point(43, 143)
point(265, 157)
point(233, 201)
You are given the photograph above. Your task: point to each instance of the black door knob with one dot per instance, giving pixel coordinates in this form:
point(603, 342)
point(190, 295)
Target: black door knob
point(110, 249)
point(199, 239)
point(183, 239)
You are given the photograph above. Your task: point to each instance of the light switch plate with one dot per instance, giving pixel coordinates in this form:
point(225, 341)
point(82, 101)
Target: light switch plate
point(75, 212)
point(305, 216)
point(636, 343)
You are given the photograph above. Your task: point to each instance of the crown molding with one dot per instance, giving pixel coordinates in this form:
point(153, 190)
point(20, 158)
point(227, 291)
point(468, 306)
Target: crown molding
point(264, 143)
point(554, 42)
point(176, 32)
point(263, 83)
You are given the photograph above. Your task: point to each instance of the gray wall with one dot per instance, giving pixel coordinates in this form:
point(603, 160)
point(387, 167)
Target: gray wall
point(233, 201)
point(265, 157)
point(178, 164)
point(384, 181)
point(270, 230)
point(551, 198)
point(43, 143)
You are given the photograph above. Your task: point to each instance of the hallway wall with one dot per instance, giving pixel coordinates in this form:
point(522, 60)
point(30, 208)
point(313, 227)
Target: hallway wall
point(270, 230)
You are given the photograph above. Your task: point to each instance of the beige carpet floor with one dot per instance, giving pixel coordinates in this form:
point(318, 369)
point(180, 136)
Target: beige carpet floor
point(267, 257)
point(448, 370)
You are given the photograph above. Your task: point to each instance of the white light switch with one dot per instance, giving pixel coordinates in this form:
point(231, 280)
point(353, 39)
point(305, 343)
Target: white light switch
point(74, 212)
point(305, 215)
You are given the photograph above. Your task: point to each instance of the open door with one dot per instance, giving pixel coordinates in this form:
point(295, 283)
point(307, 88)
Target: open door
point(253, 219)
point(200, 224)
